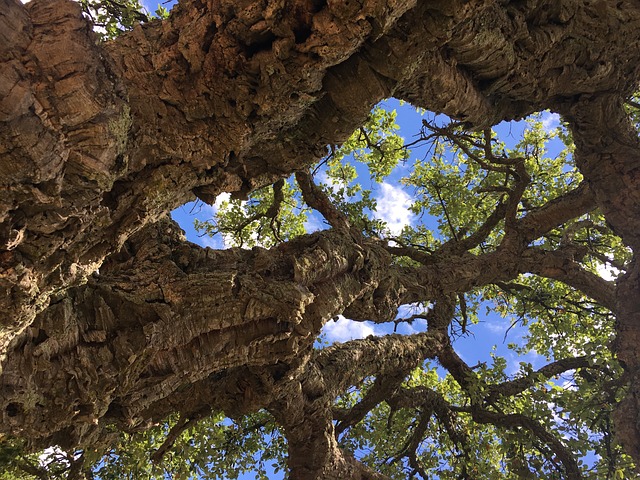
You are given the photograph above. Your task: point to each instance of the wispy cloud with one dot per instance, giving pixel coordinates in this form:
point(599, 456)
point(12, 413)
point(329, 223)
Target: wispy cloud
point(550, 121)
point(514, 361)
point(497, 325)
point(393, 207)
point(343, 330)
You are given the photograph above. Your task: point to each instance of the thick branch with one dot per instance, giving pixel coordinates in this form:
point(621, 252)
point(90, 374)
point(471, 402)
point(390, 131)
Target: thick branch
point(514, 421)
point(556, 212)
point(113, 347)
point(608, 155)
point(318, 200)
point(347, 364)
point(559, 265)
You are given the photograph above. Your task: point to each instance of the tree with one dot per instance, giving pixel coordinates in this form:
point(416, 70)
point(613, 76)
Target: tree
point(113, 323)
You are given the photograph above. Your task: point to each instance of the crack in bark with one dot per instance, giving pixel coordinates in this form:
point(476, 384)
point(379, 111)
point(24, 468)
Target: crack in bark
point(98, 142)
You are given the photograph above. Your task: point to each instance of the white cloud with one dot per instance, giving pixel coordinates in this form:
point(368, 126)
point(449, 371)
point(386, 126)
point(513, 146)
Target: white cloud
point(343, 330)
point(608, 272)
point(550, 121)
point(496, 326)
point(393, 207)
point(313, 222)
point(223, 197)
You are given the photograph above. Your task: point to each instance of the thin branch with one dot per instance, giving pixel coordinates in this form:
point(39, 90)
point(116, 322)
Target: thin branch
point(409, 320)
point(183, 424)
point(383, 387)
point(477, 237)
point(633, 104)
point(370, 144)
point(431, 402)
point(271, 213)
point(519, 385)
point(318, 200)
point(516, 420)
point(456, 139)
point(446, 213)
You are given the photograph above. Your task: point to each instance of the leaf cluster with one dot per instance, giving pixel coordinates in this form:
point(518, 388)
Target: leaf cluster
point(110, 18)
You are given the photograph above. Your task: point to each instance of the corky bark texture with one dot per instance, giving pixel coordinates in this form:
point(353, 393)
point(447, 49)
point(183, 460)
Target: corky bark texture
point(109, 317)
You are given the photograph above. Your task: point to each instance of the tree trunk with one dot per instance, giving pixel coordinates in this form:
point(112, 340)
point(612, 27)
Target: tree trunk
point(110, 317)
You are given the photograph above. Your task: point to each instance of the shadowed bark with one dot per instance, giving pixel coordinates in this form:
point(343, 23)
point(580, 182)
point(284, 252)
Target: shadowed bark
point(608, 153)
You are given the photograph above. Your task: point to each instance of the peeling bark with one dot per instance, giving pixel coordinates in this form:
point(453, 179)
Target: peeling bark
point(608, 153)
point(112, 345)
point(110, 317)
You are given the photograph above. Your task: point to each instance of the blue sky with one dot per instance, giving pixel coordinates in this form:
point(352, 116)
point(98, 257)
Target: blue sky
point(152, 5)
point(393, 201)
point(489, 337)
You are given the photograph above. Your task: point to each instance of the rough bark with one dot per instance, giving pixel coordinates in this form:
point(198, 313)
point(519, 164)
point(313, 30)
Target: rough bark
point(608, 153)
point(108, 317)
point(304, 408)
point(164, 313)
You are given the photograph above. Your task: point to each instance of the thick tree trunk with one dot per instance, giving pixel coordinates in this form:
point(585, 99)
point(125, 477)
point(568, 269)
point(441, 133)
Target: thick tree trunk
point(163, 314)
point(116, 136)
point(109, 317)
point(608, 154)
point(304, 406)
